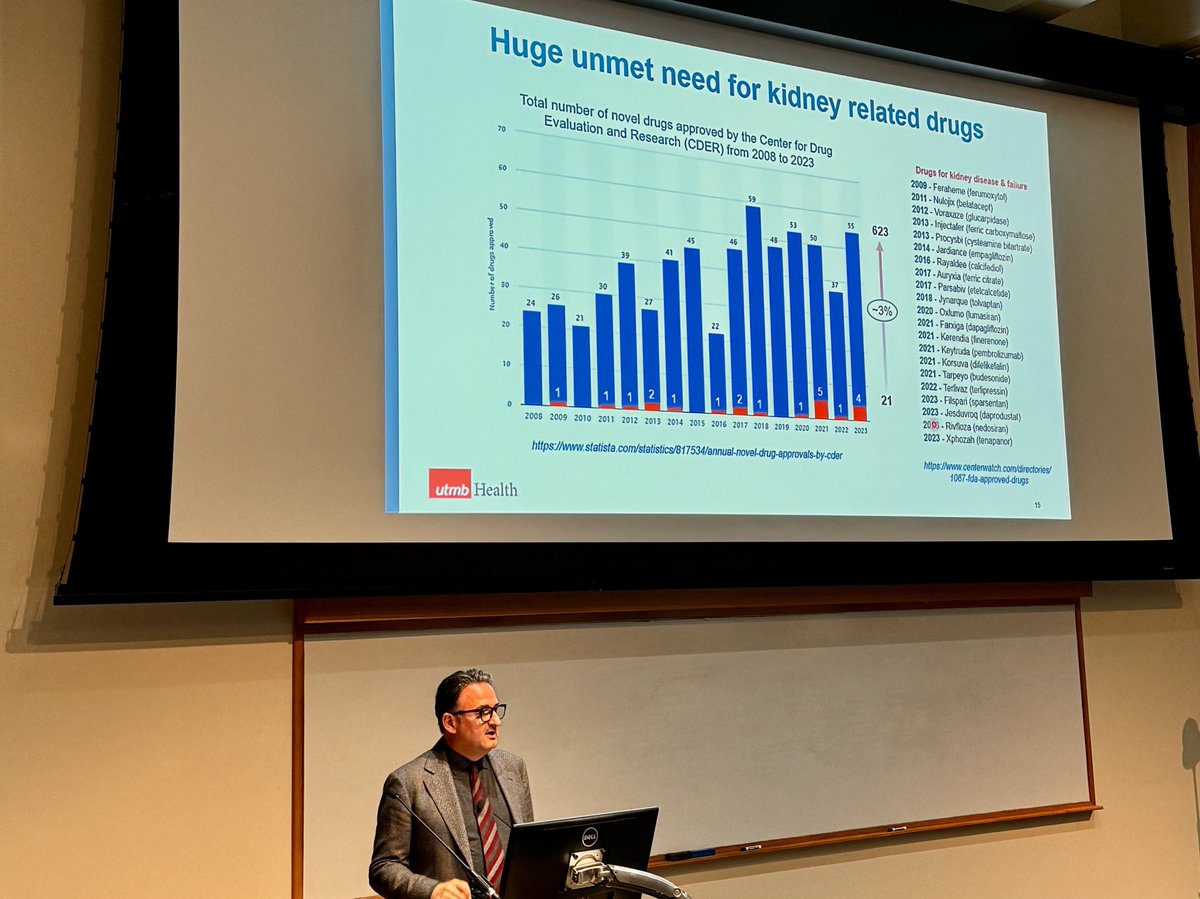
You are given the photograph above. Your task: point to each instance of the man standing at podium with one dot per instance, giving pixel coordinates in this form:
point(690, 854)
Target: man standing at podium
point(464, 790)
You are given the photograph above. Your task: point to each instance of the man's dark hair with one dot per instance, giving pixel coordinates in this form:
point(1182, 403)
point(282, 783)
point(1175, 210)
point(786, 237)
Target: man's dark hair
point(451, 688)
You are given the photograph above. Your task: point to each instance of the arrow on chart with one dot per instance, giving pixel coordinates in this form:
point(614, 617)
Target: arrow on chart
point(882, 326)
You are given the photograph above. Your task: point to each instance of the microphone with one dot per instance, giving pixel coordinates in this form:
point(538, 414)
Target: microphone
point(475, 877)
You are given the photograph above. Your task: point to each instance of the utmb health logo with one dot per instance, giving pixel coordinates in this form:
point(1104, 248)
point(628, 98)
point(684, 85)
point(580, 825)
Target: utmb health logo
point(457, 483)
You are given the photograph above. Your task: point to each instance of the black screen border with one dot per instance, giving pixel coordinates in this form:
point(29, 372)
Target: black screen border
point(120, 551)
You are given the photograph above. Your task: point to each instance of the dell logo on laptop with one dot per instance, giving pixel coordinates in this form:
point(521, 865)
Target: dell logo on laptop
point(590, 836)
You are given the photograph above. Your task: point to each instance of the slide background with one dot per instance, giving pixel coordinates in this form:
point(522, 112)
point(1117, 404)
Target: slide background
point(464, 187)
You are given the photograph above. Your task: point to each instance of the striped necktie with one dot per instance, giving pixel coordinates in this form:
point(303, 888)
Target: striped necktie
point(489, 833)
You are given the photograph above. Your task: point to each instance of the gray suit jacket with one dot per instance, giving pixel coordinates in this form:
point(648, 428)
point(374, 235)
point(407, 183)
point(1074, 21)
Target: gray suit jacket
point(408, 862)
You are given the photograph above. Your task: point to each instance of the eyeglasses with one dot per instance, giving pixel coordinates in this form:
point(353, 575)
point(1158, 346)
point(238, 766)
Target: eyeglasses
point(485, 712)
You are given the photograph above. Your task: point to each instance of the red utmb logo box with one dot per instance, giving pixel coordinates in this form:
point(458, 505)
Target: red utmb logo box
point(449, 483)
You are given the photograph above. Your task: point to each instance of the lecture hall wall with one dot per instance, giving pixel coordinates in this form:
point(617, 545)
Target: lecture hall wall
point(145, 751)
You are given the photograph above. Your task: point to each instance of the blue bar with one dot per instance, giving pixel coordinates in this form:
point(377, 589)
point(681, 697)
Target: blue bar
point(695, 329)
point(672, 342)
point(854, 311)
point(816, 323)
point(581, 365)
point(738, 399)
point(531, 332)
point(627, 309)
point(780, 407)
point(837, 350)
point(716, 363)
point(758, 324)
point(795, 251)
point(652, 398)
point(556, 327)
point(606, 382)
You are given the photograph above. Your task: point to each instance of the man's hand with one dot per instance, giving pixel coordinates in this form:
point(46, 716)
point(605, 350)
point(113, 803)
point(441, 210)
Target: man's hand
point(451, 889)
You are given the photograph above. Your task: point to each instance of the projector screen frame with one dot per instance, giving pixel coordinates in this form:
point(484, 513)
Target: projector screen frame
point(120, 550)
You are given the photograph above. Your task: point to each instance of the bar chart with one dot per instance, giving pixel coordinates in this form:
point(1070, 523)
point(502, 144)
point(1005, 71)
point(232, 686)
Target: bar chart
point(747, 300)
point(819, 330)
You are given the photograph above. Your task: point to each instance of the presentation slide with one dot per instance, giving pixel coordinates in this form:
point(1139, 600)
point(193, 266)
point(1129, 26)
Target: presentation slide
point(626, 275)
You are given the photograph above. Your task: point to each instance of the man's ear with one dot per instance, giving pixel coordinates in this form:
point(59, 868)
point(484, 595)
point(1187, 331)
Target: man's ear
point(449, 725)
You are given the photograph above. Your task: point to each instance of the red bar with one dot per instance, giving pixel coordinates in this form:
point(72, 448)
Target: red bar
point(558, 404)
point(761, 414)
point(741, 411)
point(718, 411)
point(652, 407)
point(606, 406)
point(799, 415)
point(821, 409)
point(674, 408)
point(860, 414)
point(630, 408)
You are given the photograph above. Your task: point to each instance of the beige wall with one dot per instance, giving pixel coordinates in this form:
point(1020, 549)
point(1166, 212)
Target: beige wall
point(144, 751)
